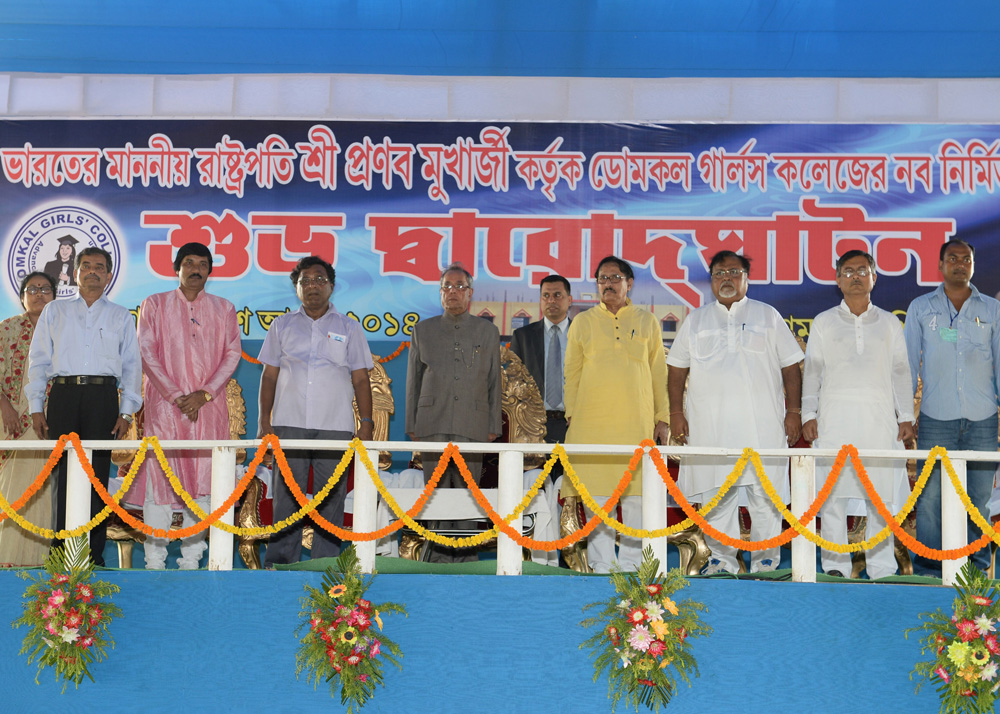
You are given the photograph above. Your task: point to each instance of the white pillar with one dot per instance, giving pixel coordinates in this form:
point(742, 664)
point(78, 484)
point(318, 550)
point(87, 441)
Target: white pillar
point(953, 522)
point(220, 542)
point(654, 510)
point(510, 493)
point(365, 506)
point(803, 494)
point(77, 490)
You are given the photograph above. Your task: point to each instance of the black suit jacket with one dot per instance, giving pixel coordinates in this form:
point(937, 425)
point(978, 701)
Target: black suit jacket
point(528, 343)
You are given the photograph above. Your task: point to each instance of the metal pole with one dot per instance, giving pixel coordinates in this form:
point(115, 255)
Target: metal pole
point(953, 522)
point(803, 494)
point(220, 543)
point(654, 510)
point(510, 492)
point(365, 507)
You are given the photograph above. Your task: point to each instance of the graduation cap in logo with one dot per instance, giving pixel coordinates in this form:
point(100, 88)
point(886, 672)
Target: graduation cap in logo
point(68, 240)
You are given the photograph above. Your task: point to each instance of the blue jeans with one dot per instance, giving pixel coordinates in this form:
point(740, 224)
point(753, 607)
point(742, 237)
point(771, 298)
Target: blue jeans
point(954, 435)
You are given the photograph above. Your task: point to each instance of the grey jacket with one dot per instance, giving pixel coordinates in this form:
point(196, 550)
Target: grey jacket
point(453, 378)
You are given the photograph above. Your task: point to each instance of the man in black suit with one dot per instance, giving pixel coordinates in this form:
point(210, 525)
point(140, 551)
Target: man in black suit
point(542, 347)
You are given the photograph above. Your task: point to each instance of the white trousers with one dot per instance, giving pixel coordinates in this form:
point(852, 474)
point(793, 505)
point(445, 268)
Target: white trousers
point(601, 542)
point(765, 522)
point(161, 516)
point(881, 560)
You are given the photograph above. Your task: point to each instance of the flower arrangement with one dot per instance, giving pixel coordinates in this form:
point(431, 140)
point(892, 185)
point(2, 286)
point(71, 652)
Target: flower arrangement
point(68, 614)
point(964, 646)
point(642, 644)
point(341, 645)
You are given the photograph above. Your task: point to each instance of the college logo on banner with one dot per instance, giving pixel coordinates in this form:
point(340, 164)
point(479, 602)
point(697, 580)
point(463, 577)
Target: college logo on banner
point(49, 240)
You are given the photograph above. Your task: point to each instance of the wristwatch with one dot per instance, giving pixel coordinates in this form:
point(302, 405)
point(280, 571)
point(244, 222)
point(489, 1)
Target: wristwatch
point(127, 417)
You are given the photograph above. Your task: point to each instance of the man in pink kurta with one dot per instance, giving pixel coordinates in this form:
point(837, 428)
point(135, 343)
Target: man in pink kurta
point(190, 348)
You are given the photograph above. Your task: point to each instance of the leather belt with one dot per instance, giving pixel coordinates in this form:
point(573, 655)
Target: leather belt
point(86, 379)
point(554, 414)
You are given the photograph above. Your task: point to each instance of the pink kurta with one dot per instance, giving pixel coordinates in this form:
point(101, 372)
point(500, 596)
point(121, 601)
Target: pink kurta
point(186, 346)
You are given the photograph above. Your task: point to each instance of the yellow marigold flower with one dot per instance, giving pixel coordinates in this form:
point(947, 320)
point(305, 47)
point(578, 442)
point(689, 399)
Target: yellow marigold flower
point(378, 620)
point(958, 653)
point(968, 674)
point(661, 629)
point(644, 664)
point(665, 662)
point(337, 590)
point(670, 606)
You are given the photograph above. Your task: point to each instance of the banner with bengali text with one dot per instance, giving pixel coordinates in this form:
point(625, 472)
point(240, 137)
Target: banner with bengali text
point(391, 203)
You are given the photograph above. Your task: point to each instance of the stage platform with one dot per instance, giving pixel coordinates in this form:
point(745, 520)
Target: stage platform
point(201, 641)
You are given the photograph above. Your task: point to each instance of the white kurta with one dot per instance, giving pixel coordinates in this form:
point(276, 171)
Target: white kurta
point(857, 385)
point(735, 394)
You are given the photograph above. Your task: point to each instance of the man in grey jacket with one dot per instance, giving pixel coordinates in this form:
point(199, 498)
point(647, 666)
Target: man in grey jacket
point(453, 387)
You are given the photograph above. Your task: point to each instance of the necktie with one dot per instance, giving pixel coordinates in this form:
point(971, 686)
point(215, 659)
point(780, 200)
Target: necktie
point(554, 372)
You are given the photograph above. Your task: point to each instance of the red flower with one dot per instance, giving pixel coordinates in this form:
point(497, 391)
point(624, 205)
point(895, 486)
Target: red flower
point(361, 620)
point(657, 648)
point(682, 634)
point(364, 604)
point(73, 618)
point(968, 693)
point(84, 592)
point(967, 631)
point(353, 659)
point(647, 682)
point(991, 644)
point(84, 642)
point(95, 615)
point(980, 600)
point(654, 589)
point(637, 615)
point(336, 666)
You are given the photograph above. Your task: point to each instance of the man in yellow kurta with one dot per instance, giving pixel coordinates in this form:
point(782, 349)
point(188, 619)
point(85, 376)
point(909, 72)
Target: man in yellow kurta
point(616, 393)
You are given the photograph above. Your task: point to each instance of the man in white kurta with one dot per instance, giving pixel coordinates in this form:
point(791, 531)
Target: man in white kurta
point(856, 390)
point(740, 361)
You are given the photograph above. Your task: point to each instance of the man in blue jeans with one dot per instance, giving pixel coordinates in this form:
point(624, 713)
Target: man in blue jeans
point(953, 340)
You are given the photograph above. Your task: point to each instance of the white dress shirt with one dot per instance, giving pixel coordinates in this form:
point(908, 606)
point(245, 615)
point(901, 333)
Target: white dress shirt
point(315, 359)
point(72, 339)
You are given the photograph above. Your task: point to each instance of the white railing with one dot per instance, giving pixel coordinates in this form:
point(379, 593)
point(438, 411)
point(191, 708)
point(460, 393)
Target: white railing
point(510, 487)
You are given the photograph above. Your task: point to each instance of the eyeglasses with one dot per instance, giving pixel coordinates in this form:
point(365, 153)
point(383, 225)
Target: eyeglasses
point(860, 272)
point(448, 287)
point(722, 274)
point(319, 282)
point(35, 291)
point(615, 279)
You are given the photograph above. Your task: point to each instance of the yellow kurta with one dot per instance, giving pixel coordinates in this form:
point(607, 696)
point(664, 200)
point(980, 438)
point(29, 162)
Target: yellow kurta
point(616, 390)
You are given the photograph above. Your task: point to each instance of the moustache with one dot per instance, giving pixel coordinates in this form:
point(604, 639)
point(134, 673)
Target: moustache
point(196, 275)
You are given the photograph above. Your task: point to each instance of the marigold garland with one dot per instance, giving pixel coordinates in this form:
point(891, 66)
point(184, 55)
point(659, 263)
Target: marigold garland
point(381, 360)
point(502, 524)
point(399, 350)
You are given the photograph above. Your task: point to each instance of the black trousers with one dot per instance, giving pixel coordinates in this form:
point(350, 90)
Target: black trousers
point(555, 433)
point(91, 411)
